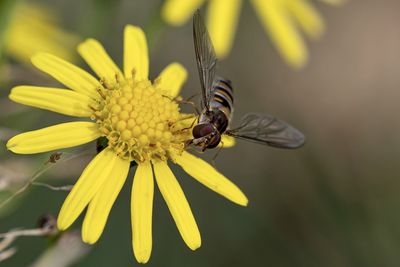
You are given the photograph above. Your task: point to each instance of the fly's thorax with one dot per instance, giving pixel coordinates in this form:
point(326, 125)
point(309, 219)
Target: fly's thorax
point(140, 122)
point(217, 107)
point(216, 117)
point(220, 120)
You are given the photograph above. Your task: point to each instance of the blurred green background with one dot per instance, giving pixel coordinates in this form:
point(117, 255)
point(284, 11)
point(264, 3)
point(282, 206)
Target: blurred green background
point(335, 202)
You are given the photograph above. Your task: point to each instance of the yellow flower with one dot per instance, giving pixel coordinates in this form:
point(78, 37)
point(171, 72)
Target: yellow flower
point(142, 123)
point(281, 19)
point(33, 29)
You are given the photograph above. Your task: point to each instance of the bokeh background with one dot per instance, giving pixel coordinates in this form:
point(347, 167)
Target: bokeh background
point(335, 202)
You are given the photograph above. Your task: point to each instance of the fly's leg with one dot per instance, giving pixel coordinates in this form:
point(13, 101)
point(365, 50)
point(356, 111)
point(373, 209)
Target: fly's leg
point(192, 96)
point(194, 118)
point(187, 101)
point(191, 103)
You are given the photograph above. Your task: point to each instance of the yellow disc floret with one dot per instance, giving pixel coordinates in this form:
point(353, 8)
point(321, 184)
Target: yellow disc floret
point(140, 121)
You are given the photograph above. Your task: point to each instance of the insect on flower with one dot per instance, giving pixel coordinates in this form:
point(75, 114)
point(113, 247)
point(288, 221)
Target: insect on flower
point(217, 104)
point(141, 122)
point(54, 157)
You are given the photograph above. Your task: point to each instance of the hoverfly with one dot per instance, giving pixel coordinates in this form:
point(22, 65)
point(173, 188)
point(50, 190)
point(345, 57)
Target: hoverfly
point(217, 105)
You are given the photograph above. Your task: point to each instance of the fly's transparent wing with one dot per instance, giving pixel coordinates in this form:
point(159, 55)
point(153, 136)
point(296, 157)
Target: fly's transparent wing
point(205, 57)
point(268, 130)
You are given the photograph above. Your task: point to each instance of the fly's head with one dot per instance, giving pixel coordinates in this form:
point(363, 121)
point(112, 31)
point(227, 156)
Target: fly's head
point(206, 136)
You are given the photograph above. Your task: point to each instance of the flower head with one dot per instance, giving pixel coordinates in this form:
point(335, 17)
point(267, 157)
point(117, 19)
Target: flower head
point(142, 123)
point(281, 19)
point(33, 29)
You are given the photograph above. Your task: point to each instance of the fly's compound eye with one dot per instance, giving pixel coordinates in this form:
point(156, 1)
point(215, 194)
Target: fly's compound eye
point(202, 130)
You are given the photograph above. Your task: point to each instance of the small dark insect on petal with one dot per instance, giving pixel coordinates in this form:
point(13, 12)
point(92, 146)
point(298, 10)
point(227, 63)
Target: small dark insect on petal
point(54, 157)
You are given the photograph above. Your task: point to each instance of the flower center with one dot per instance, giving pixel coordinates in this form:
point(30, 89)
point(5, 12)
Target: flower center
point(140, 120)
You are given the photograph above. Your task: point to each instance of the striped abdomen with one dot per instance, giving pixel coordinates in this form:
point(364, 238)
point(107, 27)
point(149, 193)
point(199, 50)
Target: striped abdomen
point(223, 97)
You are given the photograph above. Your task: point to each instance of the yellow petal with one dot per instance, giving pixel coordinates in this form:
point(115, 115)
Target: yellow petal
point(60, 136)
point(102, 202)
point(227, 141)
point(136, 56)
point(307, 17)
point(177, 12)
point(172, 78)
point(97, 58)
point(91, 180)
point(68, 74)
point(57, 100)
point(210, 177)
point(142, 212)
point(33, 29)
point(177, 204)
point(284, 35)
point(223, 16)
